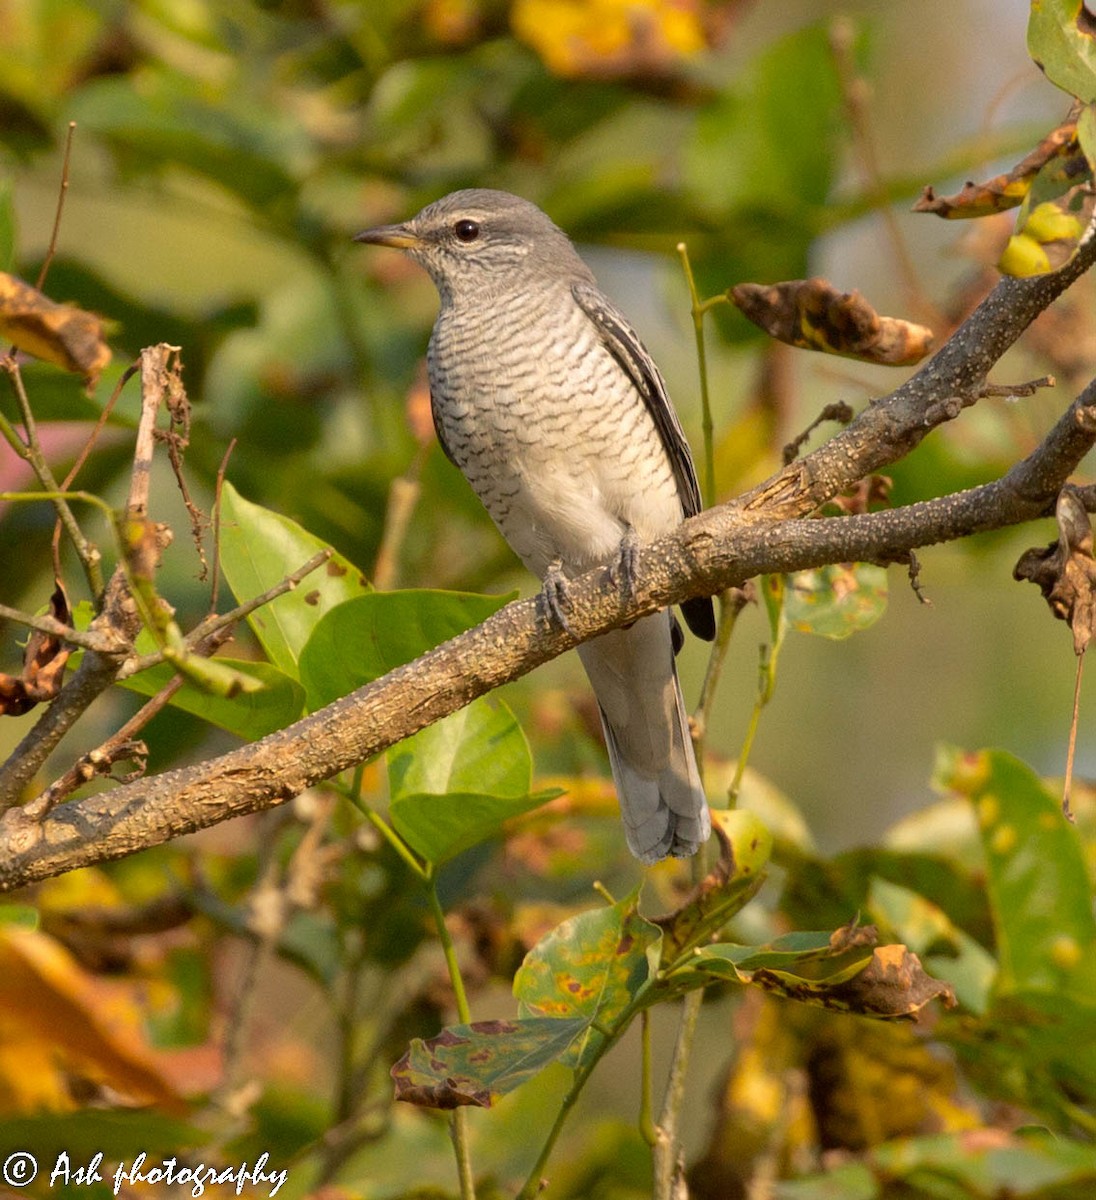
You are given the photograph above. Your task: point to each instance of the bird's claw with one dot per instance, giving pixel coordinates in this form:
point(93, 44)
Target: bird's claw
point(624, 572)
point(555, 597)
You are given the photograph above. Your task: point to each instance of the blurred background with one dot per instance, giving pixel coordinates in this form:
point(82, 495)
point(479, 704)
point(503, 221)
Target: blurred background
point(225, 153)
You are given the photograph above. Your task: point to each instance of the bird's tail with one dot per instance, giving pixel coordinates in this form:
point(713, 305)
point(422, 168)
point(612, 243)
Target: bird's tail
point(646, 728)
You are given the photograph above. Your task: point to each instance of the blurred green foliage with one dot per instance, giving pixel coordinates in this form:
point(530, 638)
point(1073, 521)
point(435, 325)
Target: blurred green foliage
point(224, 155)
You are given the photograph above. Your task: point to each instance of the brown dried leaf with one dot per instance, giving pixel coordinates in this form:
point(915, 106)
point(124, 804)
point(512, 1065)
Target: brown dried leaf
point(43, 664)
point(892, 984)
point(814, 315)
point(1059, 147)
point(1065, 571)
point(58, 333)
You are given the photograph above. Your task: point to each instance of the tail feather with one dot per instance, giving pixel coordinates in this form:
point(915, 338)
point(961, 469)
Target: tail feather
point(646, 729)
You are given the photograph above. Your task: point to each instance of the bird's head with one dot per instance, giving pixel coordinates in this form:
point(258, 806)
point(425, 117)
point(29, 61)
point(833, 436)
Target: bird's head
point(478, 239)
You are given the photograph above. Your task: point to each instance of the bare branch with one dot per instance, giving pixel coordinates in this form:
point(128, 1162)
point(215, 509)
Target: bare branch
point(721, 548)
point(711, 552)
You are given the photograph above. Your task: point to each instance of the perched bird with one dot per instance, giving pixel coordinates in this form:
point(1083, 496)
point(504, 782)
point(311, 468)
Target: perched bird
point(545, 398)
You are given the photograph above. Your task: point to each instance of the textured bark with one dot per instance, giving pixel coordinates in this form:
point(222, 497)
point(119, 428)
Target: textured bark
point(762, 532)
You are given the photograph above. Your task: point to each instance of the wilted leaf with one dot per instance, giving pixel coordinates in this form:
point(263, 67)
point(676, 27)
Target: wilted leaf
point(946, 949)
point(1065, 571)
point(836, 601)
point(891, 984)
point(745, 846)
point(43, 664)
point(476, 1064)
point(260, 548)
point(455, 782)
point(58, 333)
point(1061, 38)
point(590, 967)
point(1058, 159)
point(808, 955)
point(814, 315)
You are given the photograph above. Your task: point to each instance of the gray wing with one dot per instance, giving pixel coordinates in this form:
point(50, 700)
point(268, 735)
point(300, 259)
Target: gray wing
point(623, 343)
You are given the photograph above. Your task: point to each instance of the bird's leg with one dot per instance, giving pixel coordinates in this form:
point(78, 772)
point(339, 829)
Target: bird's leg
point(624, 571)
point(554, 596)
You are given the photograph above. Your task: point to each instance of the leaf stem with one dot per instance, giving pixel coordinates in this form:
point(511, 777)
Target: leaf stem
point(647, 1128)
point(458, 1120)
point(354, 795)
point(698, 308)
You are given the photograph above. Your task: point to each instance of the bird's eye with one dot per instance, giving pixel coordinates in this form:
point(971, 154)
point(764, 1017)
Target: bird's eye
point(466, 230)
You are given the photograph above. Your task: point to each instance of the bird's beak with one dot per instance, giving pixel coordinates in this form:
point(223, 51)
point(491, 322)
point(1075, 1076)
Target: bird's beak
point(400, 236)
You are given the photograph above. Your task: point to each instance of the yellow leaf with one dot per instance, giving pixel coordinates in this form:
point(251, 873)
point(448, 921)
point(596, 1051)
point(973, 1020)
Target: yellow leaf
point(58, 333)
point(58, 1020)
point(609, 38)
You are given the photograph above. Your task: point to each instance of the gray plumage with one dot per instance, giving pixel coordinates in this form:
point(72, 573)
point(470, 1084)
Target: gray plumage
point(547, 401)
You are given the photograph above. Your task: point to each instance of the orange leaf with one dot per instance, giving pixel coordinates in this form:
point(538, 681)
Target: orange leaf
point(61, 1019)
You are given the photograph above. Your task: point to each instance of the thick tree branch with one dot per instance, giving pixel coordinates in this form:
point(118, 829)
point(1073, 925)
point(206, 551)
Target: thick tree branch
point(716, 550)
point(761, 532)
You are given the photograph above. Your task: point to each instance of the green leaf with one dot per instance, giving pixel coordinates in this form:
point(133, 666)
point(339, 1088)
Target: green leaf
point(1006, 1165)
point(164, 117)
point(476, 1064)
point(836, 601)
point(1036, 877)
point(593, 967)
point(1061, 38)
point(250, 715)
point(746, 846)
point(850, 1181)
point(455, 782)
point(1021, 1166)
point(947, 951)
point(260, 548)
point(1034, 1045)
point(793, 949)
point(22, 915)
point(758, 145)
point(367, 637)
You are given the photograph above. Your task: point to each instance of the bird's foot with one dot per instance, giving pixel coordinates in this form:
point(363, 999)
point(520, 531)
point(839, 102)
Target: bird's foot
point(624, 572)
point(555, 598)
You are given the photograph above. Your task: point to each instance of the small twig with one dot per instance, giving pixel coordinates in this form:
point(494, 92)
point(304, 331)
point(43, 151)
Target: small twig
point(913, 565)
point(177, 438)
point(216, 622)
point(667, 1147)
point(30, 451)
point(51, 249)
point(1018, 389)
point(85, 450)
point(697, 309)
point(403, 495)
point(730, 604)
point(839, 411)
point(1067, 786)
point(85, 639)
